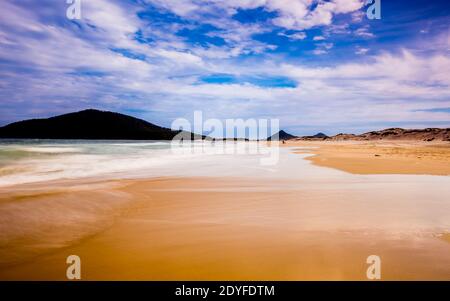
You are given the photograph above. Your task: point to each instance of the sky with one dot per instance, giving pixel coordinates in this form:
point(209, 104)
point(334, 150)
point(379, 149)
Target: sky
point(317, 66)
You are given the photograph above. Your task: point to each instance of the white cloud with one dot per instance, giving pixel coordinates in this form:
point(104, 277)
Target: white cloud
point(361, 50)
point(295, 36)
point(364, 32)
point(179, 7)
point(320, 51)
point(347, 6)
point(415, 71)
point(358, 16)
point(385, 88)
point(300, 14)
point(323, 48)
point(292, 14)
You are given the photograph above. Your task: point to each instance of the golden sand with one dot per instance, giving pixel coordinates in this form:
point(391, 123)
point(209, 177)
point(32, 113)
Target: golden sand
point(215, 229)
point(383, 157)
point(446, 237)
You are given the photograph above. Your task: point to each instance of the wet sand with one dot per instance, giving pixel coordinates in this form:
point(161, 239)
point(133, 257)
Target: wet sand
point(228, 229)
point(380, 157)
point(446, 237)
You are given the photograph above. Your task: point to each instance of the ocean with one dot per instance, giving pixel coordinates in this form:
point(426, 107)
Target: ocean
point(30, 161)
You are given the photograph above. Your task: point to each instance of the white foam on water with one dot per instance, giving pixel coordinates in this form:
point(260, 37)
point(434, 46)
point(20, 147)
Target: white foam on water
point(50, 149)
point(128, 160)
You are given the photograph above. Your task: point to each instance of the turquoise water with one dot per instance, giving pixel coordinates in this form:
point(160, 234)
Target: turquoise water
point(23, 161)
point(29, 161)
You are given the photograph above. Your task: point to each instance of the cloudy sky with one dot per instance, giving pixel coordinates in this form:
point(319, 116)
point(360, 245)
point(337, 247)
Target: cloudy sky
point(316, 65)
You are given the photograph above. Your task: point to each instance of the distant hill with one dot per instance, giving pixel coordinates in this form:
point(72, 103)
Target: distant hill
point(429, 134)
point(95, 124)
point(88, 124)
point(319, 136)
point(281, 135)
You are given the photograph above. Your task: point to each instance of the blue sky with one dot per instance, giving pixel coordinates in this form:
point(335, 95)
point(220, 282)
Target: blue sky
point(318, 66)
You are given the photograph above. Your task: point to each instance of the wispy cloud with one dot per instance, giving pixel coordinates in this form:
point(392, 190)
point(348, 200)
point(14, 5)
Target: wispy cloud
point(293, 60)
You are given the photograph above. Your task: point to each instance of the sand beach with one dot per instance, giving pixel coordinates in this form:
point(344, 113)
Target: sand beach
point(307, 218)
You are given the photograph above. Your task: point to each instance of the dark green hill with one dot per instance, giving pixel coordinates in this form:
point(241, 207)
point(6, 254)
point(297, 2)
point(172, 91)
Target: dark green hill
point(88, 124)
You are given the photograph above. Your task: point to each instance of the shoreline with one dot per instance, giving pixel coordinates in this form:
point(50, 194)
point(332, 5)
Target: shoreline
point(317, 224)
point(378, 157)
